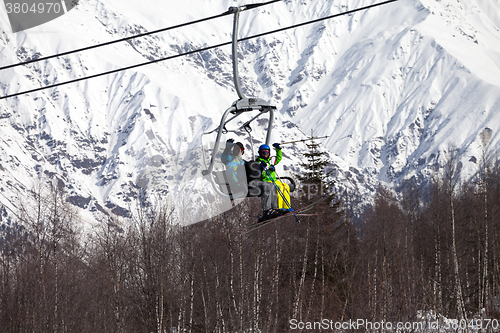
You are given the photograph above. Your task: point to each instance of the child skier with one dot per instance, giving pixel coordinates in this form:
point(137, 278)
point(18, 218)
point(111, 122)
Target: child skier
point(264, 158)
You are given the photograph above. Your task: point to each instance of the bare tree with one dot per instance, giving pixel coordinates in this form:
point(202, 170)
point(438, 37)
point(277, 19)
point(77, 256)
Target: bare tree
point(451, 182)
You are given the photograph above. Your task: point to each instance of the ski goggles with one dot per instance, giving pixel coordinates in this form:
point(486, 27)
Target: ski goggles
point(265, 152)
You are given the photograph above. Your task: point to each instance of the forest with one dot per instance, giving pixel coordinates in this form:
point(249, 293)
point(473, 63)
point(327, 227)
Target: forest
point(415, 251)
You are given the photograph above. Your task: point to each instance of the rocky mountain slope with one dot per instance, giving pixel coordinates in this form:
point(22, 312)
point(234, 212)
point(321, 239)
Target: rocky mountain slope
point(394, 87)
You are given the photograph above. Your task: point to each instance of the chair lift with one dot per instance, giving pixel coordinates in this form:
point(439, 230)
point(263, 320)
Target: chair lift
point(219, 179)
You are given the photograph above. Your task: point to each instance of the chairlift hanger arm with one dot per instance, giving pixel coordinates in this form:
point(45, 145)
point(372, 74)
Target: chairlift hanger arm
point(236, 77)
point(243, 104)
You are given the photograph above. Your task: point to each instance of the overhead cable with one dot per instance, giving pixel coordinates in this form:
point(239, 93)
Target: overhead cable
point(199, 50)
point(135, 36)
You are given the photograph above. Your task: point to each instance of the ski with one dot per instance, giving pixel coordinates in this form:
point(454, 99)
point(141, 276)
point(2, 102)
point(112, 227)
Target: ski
point(295, 213)
point(300, 214)
point(263, 223)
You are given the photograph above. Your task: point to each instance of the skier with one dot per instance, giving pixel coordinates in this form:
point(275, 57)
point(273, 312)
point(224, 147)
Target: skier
point(235, 166)
point(265, 159)
point(231, 157)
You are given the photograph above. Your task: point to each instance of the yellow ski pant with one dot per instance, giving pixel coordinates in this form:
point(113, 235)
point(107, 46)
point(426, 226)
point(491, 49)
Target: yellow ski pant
point(285, 190)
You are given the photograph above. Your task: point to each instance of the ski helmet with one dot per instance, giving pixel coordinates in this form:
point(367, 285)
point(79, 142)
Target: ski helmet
point(238, 146)
point(263, 147)
point(266, 149)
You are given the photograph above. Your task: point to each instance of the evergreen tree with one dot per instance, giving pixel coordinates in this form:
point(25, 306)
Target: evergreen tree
point(315, 175)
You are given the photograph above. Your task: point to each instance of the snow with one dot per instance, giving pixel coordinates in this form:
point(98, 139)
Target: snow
point(393, 87)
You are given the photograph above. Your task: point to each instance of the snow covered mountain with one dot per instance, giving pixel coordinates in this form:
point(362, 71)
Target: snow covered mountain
point(393, 87)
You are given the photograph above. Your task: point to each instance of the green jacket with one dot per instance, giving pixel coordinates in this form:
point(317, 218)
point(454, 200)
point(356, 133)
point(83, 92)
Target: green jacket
point(279, 157)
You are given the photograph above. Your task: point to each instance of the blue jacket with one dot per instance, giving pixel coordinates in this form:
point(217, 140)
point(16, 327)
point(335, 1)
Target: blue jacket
point(235, 167)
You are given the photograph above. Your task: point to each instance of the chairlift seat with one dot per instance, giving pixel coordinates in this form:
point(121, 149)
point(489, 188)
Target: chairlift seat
point(222, 180)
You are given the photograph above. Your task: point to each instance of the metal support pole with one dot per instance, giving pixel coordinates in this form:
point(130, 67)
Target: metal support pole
point(236, 76)
point(270, 126)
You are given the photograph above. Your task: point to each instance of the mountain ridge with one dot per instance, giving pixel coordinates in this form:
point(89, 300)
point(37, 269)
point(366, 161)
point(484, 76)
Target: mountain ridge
point(394, 87)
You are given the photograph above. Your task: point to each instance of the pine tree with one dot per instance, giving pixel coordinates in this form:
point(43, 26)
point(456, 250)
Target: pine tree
point(315, 174)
